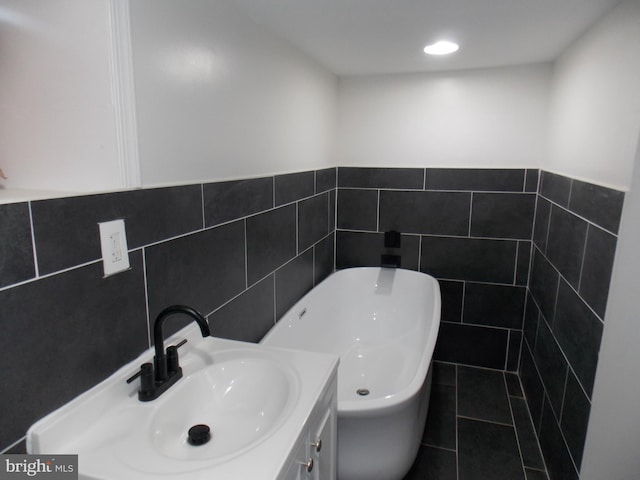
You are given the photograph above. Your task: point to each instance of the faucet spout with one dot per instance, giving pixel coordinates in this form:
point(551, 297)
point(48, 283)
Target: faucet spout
point(160, 359)
point(157, 378)
point(158, 336)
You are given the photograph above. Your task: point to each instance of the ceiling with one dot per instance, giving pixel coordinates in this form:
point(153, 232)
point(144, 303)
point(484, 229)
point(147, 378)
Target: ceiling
point(357, 37)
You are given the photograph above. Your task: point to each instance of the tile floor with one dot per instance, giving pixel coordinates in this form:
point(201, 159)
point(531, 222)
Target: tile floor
point(478, 428)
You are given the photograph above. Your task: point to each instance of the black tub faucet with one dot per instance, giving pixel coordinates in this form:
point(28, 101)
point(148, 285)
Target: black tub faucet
point(157, 378)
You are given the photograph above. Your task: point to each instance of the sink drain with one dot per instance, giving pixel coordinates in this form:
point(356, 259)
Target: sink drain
point(363, 392)
point(199, 435)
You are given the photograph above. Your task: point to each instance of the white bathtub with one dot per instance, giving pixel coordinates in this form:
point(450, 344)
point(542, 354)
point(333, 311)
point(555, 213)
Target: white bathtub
point(383, 325)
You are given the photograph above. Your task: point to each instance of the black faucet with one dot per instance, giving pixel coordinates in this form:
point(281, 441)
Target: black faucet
point(157, 378)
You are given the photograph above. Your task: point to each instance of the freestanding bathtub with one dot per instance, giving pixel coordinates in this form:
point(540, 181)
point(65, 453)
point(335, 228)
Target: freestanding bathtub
point(383, 325)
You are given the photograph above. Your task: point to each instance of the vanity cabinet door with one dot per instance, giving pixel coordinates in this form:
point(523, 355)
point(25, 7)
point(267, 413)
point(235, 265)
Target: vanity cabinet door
point(323, 447)
point(296, 470)
point(315, 454)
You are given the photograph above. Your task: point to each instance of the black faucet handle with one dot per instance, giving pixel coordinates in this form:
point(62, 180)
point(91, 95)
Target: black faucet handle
point(181, 343)
point(173, 363)
point(146, 377)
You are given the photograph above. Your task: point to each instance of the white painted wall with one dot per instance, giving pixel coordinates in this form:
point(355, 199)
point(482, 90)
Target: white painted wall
point(219, 97)
point(595, 102)
point(595, 133)
point(613, 436)
point(57, 117)
point(476, 118)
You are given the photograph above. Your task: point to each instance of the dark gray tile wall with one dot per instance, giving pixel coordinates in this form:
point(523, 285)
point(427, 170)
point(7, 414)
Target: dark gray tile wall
point(575, 235)
point(244, 251)
point(469, 228)
point(241, 252)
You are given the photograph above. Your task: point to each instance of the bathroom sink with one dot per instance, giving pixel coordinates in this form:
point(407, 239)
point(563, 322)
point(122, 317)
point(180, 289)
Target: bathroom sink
point(241, 400)
point(242, 397)
point(251, 398)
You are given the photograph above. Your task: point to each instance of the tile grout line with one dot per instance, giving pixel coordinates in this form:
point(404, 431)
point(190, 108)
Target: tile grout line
point(246, 256)
point(515, 427)
point(470, 214)
point(515, 265)
point(33, 242)
point(583, 255)
point(531, 423)
point(508, 350)
point(577, 215)
point(146, 295)
point(378, 213)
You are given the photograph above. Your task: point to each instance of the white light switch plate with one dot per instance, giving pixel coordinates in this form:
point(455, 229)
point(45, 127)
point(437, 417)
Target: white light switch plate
point(113, 241)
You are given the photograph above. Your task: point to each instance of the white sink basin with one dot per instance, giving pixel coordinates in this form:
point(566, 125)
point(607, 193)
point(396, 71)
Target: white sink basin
point(241, 400)
point(251, 397)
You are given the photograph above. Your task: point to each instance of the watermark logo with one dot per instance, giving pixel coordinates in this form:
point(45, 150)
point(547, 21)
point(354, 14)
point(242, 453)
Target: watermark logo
point(55, 467)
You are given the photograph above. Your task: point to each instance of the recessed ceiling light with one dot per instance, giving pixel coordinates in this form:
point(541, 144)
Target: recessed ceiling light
point(441, 48)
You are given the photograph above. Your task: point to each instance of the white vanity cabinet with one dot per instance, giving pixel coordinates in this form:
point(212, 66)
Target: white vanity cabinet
point(278, 422)
point(314, 456)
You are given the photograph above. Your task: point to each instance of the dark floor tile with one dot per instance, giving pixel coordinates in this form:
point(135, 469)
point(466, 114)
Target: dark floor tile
point(433, 464)
point(472, 345)
point(482, 395)
point(440, 429)
point(513, 385)
point(401, 178)
point(487, 451)
point(536, 474)
point(503, 215)
point(527, 439)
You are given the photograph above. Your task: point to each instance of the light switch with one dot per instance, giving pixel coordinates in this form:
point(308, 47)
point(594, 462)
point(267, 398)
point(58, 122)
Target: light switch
point(113, 241)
